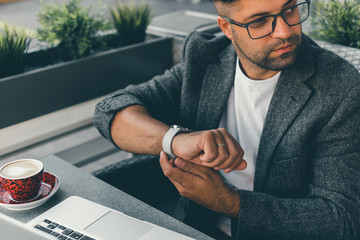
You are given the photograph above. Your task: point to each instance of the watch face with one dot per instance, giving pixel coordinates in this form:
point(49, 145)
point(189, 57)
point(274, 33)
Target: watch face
point(182, 129)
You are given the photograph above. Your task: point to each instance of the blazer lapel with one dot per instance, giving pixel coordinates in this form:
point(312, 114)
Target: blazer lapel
point(290, 95)
point(217, 84)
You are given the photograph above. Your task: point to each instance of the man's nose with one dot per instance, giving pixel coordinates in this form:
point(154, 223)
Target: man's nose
point(282, 29)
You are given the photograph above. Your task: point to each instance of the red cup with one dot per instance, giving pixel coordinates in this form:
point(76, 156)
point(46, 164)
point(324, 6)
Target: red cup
point(22, 178)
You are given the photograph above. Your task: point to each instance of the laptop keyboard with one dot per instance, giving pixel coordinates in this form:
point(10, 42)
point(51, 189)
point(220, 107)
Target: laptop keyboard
point(60, 231)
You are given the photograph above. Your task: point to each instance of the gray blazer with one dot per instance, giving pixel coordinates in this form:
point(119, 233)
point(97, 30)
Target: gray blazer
point(307, 178)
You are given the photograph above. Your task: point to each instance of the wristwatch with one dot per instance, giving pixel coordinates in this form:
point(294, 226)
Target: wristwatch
point(169, 136)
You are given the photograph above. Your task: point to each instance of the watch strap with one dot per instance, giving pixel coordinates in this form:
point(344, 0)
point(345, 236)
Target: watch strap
point(167, 141)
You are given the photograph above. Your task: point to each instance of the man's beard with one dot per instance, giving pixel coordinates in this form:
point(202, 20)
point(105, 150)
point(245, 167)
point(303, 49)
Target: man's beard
point(264, 60)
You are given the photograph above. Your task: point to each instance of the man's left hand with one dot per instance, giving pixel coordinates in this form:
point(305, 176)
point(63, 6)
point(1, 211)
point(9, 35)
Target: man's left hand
point(203, 185)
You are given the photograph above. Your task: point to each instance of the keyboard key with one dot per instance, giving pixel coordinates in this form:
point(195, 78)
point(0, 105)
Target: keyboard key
point(62, 237)
point(55, 234)
point(55, 224)
point(62, 227)
point(76, 235)
point(47, 221)
point(51, 226)
point(44, 229)
point(67, 232)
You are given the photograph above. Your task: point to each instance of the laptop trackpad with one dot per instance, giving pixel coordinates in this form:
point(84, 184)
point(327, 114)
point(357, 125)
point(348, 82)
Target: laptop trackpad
point(115, 226)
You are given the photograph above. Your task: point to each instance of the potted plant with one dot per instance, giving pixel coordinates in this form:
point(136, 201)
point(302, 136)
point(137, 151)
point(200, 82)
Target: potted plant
point(88, 72)
point(337, 22)
point(130, 21)
point(14, 43)
point(71, 27)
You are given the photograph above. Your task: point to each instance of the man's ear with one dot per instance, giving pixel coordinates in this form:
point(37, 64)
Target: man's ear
point(225, 27)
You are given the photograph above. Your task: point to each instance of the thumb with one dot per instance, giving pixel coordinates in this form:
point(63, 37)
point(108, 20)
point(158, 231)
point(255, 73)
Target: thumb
point(242, 165)
point(163, 156)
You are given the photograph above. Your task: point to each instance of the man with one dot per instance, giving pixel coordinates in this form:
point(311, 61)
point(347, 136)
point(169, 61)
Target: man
point(275, 143)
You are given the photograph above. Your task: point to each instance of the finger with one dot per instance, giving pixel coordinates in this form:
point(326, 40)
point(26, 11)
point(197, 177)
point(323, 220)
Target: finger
point(240, 163)
point(227, 151)
point(235, 160)
point(173, 173)
point(169, 164)
point(222, 145)
point(190, 167)
point(197, 161)
point(209, 147)
point(215, 149)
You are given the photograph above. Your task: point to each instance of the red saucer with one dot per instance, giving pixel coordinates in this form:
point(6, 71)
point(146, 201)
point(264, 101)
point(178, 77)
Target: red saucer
point(48, 188)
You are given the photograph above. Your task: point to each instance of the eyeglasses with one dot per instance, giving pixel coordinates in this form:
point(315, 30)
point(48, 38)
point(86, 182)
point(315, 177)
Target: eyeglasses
point(264, 26)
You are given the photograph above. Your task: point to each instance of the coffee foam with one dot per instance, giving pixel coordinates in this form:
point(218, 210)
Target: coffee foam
point(21, 169)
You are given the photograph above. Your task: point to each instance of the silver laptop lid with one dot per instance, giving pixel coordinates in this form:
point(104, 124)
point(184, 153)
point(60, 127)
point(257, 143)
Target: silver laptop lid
point(15, 230)
point(100, 222)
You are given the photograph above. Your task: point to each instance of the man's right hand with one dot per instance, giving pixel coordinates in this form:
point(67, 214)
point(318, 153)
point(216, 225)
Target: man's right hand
point(211, 148)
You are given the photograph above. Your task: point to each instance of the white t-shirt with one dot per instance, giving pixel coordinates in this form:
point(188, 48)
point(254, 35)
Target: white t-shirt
point(244, 118)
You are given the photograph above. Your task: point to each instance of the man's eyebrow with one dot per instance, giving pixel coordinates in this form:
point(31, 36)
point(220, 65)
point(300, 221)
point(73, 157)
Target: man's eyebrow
point(288, 2)
point(265, 13)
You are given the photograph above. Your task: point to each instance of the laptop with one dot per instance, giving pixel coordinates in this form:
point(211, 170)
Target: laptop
point(79, 218)
point(15, 230)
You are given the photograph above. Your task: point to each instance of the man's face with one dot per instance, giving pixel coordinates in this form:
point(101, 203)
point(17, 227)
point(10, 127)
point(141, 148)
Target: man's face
point(262, 57)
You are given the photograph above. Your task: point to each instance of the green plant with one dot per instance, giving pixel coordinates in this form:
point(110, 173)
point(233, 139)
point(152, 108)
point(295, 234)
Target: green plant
point(337, 22)
point(14, 43)
point(75, 29)
point(131, 21)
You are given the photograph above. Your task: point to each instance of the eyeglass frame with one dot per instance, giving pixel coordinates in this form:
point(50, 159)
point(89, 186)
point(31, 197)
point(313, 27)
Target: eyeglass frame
point(275, 16)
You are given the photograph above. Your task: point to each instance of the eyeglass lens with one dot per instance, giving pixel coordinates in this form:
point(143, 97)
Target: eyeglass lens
point(292, 16)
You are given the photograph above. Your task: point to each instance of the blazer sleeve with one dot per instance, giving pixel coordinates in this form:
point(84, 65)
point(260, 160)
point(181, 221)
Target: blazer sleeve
point(331, 208)
point(160, 96)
